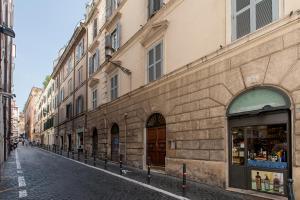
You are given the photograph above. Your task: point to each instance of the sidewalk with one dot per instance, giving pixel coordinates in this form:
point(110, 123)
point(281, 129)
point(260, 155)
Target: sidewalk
point(168, 183)
point(9, 181)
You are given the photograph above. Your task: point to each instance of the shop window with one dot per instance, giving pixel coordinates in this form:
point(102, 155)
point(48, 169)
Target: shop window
point(259, 100)
point(249, 15)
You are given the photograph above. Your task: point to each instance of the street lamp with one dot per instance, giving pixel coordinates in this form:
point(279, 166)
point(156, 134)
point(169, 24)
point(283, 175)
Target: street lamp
point(8, 95)
point(108, 55)
point(7, 31)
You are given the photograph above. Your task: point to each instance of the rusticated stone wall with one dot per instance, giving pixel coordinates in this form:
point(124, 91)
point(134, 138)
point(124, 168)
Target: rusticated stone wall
point(194, 103)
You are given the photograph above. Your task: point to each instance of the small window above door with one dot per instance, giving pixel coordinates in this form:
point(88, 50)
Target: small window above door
point(259, 99)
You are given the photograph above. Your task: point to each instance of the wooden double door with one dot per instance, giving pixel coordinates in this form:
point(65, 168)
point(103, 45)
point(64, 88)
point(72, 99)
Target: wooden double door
point(156, 146)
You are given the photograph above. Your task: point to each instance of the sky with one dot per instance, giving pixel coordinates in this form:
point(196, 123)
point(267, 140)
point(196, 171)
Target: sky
point(42, 27)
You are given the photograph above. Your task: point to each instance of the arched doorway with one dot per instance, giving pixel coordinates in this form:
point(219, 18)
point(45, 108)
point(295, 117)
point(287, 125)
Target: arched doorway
point(260, 141)
point(115, 142)
point(69, 142)
point(156, 140)
point(95, 141)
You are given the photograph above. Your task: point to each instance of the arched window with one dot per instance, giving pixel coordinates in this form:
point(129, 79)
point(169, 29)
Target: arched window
point(257, 100)
point(156, 120)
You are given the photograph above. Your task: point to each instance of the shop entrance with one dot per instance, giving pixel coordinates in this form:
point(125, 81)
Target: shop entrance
point(260, 141)
point(115, 143)
point(156, 140)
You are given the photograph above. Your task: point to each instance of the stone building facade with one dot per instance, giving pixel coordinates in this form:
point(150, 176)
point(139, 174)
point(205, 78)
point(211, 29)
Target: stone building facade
point(70, 74)
point(159, 90)
point(30, 115)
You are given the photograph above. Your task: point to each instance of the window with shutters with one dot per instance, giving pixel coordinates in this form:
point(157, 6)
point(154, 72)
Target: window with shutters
point(250, 15)
point(62, 95)
point(154, 6)
point(95, 28)
point(155, 62)
point(114, 40)
point(80, 75)
point(94, 62)
point(79, 50)
point(70, 65)
point(94, 98)
point(79, 105)
point(111, 5)
point(70, 86)
point(69, 111)
point(114, 87)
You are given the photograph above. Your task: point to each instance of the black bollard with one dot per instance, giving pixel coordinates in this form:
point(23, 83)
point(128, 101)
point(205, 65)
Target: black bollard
point(121, 165)
point(73, 154)
point(78, 157)
point(184, 180)
point(94, 159)
point(149, 174)
point(60, 151)
point(105, 162)
point(85, 157)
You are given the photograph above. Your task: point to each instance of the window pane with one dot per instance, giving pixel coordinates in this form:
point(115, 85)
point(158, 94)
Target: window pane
point(158, 52)
point(257, 99)
point(116, 81)
point(240, 4)
point(151, 73)
point(112, 83)
point(243, 24)
point(267, 143)
point(151, 57)
point(156, 5)
point(263, 13)
point(158, 70)
point(116, 92)
point(238, 146)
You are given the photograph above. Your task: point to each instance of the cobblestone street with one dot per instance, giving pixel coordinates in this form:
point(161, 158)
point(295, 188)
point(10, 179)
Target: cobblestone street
point(32, 173)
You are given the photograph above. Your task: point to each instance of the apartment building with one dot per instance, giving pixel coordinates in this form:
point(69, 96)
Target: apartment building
point(30, 115)
point(212, 84)
point(21, 125)
point(7, 55)
point(70, 79)
point(45, 112)
point(14, 120)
